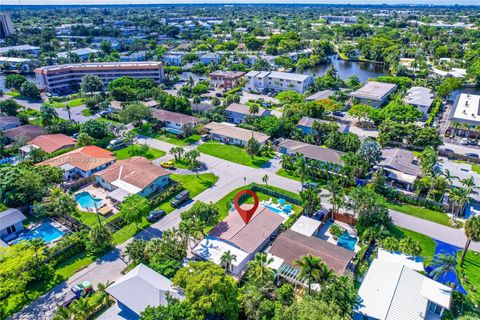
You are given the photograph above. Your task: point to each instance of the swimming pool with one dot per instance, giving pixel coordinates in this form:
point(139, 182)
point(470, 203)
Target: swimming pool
point(46, 231)
point(86, 201)
point(174, 131)
point(346, 241)
point(273, 208)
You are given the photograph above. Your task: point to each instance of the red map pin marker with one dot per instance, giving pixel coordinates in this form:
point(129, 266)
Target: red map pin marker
point(246, 214)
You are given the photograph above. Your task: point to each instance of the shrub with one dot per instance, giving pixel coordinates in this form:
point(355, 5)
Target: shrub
point(336, 231)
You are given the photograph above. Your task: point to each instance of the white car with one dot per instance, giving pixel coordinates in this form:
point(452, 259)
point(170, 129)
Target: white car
point(464, 141)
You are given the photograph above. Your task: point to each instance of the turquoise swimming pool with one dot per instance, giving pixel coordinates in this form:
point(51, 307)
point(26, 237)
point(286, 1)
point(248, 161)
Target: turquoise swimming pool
point(86, 201)
point(346, 241)
point(46, 231)
point(174, 131)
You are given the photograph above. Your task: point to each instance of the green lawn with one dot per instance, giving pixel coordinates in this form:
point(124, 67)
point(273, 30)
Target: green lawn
point(427, 244)
point(232, 153)
point(86, 112)
point(179, 142)
point(126, 153)
point(422, 213)
point(13, 93)
point(469, 276)
point(290, 175)
point(75, 102)
point(194, 184)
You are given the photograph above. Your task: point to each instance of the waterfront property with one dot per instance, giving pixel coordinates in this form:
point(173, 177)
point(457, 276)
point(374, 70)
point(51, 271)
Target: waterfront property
point(277, 81)
point(226, 79)
point(236, 113)
point(228, 133)
point(175, 122)
point(64, 78)
point(394, 291)
point(374, 93)
point(82, 162)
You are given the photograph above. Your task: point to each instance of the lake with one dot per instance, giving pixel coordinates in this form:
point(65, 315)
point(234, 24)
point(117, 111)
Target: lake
point(345, 69)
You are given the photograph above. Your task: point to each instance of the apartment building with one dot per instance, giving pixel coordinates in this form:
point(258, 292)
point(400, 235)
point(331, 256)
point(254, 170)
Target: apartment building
point(65, 78)
point(6, 25)
point(277, 81)
point(226, 79)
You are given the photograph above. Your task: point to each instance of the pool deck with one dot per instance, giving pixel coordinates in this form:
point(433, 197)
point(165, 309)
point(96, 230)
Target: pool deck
point(325, 234)
point(97, 193)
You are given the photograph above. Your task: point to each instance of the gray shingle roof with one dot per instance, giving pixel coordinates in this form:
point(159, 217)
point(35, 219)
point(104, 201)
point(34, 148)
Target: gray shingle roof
point(10, 217)
point(400, 160)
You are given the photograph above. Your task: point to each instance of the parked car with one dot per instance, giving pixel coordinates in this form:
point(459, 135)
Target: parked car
point(156, 215)
point(205, 137)
point(106, 112)
point(78, 291)
point(338, 113)
point(310, 185)
point(116, 144)
point(472, 155)
point(464, 141)
point(167, 164)
point(180, 198)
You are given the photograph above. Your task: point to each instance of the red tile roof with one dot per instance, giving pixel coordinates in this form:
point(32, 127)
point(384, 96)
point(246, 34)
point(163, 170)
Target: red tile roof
point(85, 158)
point(248, 237)
point(53, 142)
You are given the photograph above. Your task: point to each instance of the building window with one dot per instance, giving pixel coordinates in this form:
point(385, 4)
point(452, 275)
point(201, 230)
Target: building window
point(434, 308)
point(11, 229)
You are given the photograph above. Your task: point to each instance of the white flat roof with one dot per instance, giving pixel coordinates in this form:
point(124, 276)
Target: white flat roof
point(212, 249)
point(467, 109)
point(130, 188)
point(289, 76)
point(414, 263)
point(306, 226)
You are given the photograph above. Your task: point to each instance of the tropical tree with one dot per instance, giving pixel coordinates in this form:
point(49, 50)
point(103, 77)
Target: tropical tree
point(472, 231)
point(91, 83)
point(57, 204)
point(310, 200)
point(252, 148)
point(258, 267)
point(100, 238)
point(177, 152)
point(253, 109)
point(301, 168)
point(313, 269)
point(443, 264)
point(48, 115)
point(84, 139)
point(134, 208)
point(335, 187)
point(191, 228)
point(265, 179)
point(208, 214)
point(227, 258)
point(81, 308)
point(410, 246)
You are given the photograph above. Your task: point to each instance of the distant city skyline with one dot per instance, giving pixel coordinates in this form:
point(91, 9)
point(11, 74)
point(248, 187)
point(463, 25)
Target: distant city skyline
point(133, 2)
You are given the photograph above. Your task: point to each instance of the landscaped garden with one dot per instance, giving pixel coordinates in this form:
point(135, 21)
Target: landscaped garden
point(232, 153)
point(139, 150)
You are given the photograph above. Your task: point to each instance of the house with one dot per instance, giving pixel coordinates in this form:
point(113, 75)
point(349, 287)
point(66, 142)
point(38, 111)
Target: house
point(306, 226)
point(374, 93)
point(209, 58)
point(421, 98)
point(228, 133)
point(34, 51)
point(226, 79)
point(393, 291)
point(291, 245)
point(27, 131)
point(52, 142)
point(20, 64)
point(11, 222)
point(138, 289)
point(400, 166)
point(277, 81)
point(173, 59)
point(136, 175)
point(236, 113)
point(135, 56)
point(82, 162)
point(309, 151)
point(306, 124)
point(175, 122)
point(83, 53)
point(9, 122)
point(321, 95)
point(243, 240)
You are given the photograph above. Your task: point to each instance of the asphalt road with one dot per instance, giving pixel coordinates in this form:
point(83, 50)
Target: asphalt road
point(231, 176)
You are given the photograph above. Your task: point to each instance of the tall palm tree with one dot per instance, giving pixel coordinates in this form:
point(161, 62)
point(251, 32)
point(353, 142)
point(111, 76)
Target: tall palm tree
point(102, 290)
point(227, 258)
point(63, 313)
point(301, 169)
point(472, 231)
point(310, 200)
point(191, 228)
point(312, 269)
point(335, 187)
point(265, 179)
point(444, 263)
point(259, 267)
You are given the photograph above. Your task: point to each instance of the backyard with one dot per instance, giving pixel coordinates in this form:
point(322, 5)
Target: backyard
point(422, 213)
point(232, 153)
point(138, 150)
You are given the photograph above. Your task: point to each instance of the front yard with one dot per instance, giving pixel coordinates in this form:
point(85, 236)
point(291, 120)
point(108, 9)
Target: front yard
point(422, 213)
point(469, 276)
point(170, 138)
point(427, 244)
point(136, 150)
point(232, 153)
point(291, 175)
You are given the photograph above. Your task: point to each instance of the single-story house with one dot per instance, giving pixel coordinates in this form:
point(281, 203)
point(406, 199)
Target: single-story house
point(309, 151)
point(138, 289)
point(226, 79)
point(83, 53)
point(28, 131)
point(291, 245)
point(393, 291)
point(9, 122)
point(236, 113)
point(400, 166)
point(306, 125)
point(82, 162)
point(11, 222)
point(52, 142)
point(243, 240)
point(136, 175)
point(175, 122)
point(374, 93)
point(421, 98)
point(228, 133)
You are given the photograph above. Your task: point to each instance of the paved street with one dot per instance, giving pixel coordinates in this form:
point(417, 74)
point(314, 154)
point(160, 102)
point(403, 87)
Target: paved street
point(231, 176)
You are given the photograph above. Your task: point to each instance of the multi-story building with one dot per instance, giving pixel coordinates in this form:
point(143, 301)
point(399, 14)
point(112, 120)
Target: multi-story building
point(226, 79)
point(6, 25)
point(277, 81)
point(64, 78)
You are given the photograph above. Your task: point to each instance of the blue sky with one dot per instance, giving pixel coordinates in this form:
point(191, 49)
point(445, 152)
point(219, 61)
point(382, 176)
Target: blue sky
point(44, 2)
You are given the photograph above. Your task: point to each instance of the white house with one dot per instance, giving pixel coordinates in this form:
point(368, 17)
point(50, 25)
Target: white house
point(173, 59)
point(277, 81)
point(11, 222)
point(392, 291)
point(421, 98)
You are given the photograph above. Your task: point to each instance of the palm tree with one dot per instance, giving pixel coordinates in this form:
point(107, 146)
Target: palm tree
point(334, 186)
point(81, 308)
point(259, 267)
point(444, 263)
point(191, 228)
point(301, 169)
point(101, 289)
point(177, 152)
point(312, 269)
point(472, 231)
point(265, 179)
point(310, 200)
point(227, 258)
point(63, 313)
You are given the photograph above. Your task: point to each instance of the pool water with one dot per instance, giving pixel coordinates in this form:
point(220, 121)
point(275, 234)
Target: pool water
point(346, 241)
point(86, 201)
point(46, 231)
point(174, 131)
point(274, 209)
